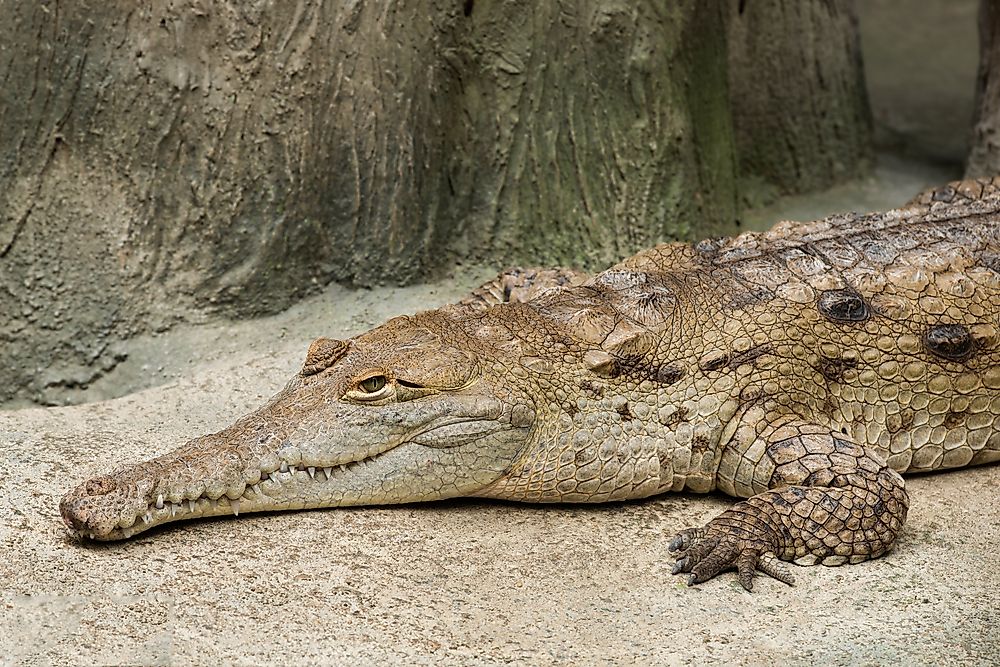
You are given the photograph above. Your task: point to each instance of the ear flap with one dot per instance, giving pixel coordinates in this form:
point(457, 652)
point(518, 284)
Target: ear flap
point(323, 353)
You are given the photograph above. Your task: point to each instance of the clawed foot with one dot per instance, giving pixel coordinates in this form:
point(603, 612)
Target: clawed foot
point(705, 552)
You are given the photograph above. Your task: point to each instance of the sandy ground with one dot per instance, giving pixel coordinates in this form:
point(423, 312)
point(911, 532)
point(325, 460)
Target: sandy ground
point(451, 583)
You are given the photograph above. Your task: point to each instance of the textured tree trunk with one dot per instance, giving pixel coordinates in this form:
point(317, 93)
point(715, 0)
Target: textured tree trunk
point(800, 107)
point(164, 159)
point(584, 131)
point(984, 156)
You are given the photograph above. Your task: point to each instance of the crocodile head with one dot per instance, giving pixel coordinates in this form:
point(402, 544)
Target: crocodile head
point(400, 414)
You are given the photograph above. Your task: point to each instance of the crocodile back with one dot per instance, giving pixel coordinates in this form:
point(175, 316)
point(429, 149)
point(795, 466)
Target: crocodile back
point(880, 327)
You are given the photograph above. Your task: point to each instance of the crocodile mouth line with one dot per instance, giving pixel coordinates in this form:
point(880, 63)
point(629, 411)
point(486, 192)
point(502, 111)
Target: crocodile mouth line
point(268, 494)
point(279, 485)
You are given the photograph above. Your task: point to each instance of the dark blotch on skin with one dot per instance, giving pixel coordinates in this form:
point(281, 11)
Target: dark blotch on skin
point(637, 366)
point(945, 194)
point(709, 246)
point(781, 502)
point(669, 374)
point(843, 305)
point(951, 341)
point(992, 262)
point(844, 447)
point(750, 356)
point(827, 503)
point(833, 369)
point(746, 298)
point(750, 393)
point(819, 478)
point(714, 362)
point(680, 415)
point(100, 486)
point(906, 418)
point(953, 419)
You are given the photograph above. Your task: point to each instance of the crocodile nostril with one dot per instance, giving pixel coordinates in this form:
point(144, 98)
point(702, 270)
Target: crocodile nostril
point(77, 508)
point(74, 513)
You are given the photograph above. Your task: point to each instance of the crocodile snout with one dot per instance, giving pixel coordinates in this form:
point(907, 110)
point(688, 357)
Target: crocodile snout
point(81, 508)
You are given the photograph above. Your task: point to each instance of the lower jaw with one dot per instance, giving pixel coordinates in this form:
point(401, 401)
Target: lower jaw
point(205, 508)
point(296, 489)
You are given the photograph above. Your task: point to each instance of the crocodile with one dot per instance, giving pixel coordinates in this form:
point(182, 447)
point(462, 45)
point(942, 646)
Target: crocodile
point(800, 370)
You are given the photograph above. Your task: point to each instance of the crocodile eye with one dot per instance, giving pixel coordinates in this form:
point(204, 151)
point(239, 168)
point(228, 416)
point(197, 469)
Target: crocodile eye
point(373, 385)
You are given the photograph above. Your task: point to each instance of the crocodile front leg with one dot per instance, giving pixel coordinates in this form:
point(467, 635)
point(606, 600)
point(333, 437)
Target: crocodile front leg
point(828, 500)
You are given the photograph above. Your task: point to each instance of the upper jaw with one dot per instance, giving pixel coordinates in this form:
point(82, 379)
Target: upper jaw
point(146, 497)
point(219, 475)
point(141, 513)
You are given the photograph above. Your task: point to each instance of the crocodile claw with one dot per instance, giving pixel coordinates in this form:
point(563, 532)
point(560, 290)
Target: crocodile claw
point(705, 552)
point(683, 540)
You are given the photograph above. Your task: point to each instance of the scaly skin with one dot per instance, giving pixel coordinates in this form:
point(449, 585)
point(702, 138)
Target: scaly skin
point(802, 369)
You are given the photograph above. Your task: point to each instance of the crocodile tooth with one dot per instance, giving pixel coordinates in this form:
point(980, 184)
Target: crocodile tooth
point(147, 517)
point(343, 467)
point(328, 472)
point(256, 489)
point(235, 504)
point(284, 467)
point(312, 472)
point(159, 502)
point(173, 509)
point(191, 506)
